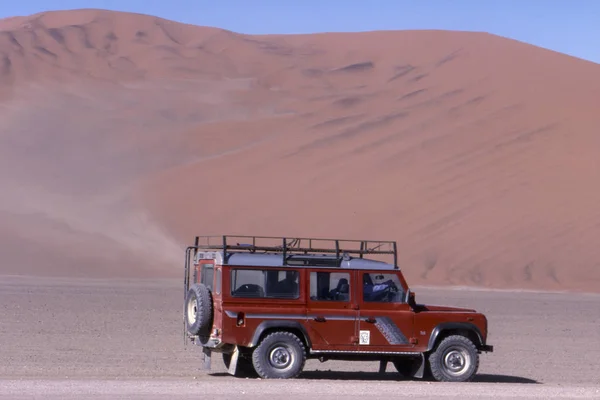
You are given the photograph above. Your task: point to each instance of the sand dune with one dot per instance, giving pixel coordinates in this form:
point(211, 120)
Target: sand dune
point(123, 135)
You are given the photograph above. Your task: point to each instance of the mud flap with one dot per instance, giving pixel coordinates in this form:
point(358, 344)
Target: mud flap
point(418, 370)
point(234, 361)
point(207, 353)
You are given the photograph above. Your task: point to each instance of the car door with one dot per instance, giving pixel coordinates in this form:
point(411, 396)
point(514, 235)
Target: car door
point(332, 315)
point(386, 321)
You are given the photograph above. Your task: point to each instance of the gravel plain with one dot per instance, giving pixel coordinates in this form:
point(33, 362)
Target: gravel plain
point(69, 338)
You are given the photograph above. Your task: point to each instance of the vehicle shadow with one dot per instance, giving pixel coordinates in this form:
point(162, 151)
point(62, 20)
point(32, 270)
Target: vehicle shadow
point(391, 376)
point(495, 378)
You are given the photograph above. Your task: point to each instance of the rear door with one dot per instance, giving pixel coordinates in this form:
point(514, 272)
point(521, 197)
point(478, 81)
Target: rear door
point(209, 273)
point(204, 273)
point(332, 315)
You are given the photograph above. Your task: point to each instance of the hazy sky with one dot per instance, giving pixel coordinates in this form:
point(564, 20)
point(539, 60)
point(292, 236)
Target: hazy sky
point(568, 26)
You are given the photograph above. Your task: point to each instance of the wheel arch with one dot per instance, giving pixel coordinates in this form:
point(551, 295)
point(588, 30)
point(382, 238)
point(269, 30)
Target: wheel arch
point(267, 327)
point(443, 330)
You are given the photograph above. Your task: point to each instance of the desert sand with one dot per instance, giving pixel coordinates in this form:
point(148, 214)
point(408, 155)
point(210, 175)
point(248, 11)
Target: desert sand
point(124, 135)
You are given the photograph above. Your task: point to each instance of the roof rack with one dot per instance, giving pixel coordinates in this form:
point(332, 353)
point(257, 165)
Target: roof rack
point(297, 246)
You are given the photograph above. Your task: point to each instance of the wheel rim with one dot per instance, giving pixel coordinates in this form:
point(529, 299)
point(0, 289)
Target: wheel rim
point(456, 361)
point(192, 309)
point(280, 357)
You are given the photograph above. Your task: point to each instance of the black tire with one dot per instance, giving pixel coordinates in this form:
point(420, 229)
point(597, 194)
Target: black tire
point(244, 369)
point(199, 311)
point(280, 355)
point(454, 360)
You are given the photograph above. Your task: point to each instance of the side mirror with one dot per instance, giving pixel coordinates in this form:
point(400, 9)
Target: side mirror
point(411, 298)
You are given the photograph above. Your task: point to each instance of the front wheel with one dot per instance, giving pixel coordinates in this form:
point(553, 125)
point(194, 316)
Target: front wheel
point(454, 360)
point(280, 355)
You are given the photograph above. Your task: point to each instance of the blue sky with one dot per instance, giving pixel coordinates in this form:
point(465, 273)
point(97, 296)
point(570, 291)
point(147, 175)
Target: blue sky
point(568, 26)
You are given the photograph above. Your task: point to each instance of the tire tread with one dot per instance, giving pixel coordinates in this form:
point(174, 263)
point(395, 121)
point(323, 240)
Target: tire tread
point(434, 359)
point(262, 370)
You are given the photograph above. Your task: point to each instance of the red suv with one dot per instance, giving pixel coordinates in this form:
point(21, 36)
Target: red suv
point(270, 303)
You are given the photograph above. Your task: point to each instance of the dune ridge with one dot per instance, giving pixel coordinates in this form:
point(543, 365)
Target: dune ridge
point(123, 135)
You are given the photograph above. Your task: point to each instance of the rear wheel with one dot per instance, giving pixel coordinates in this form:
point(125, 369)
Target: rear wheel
point(280, 355)
point(454, 360)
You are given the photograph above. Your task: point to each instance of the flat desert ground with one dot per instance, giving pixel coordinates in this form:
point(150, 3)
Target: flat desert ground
point(66, 338)
point(123, 135)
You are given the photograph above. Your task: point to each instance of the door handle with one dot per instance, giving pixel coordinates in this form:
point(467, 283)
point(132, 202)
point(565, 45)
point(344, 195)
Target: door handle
point(319, 318)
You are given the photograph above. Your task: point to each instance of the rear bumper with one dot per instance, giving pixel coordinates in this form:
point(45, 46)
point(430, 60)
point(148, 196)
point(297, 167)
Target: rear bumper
point(213, 344)
point(487, 348)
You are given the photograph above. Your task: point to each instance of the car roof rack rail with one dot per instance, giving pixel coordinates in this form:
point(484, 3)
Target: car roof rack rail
point(297, 246)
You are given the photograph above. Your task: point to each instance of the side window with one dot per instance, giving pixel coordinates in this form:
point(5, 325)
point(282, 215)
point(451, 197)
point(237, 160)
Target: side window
point(218, 281)
point(247, 283)
point(384, 288)
point(207, 275)
point(283, 284)
point(330, 286)
point(277, 284)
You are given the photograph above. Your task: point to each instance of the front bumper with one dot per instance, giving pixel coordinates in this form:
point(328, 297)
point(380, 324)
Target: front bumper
point(487, 348)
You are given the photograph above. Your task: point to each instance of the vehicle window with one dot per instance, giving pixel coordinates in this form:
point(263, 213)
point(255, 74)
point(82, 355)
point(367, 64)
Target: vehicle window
point(207, 275)
point(278, 284)
point(385, 288)
point(330, 286)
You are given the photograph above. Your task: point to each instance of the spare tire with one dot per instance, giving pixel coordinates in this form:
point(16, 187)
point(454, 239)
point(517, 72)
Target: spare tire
point(199, 311)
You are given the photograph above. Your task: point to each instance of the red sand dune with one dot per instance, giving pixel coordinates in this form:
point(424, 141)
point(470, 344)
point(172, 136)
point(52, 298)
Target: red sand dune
point(124, 135)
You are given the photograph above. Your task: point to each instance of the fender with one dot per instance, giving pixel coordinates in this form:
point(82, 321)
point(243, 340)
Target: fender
point(452, 326)
point(265, 325)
